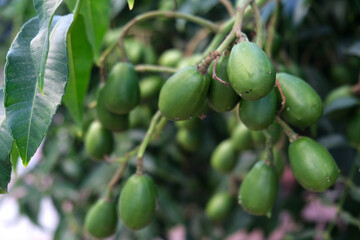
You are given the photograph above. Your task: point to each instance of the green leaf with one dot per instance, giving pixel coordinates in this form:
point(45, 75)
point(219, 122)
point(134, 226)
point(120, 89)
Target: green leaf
point(80, 63)
point(14, 157)
point(131, 4)
point(342, 103)
point(97, 19)
point(5, 148)
point(45, 10)
point(28, 112)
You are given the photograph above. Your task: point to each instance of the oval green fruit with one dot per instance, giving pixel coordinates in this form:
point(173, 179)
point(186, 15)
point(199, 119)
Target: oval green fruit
point(190, 124)
point(170, 57)
point(101, 219)
point(224, 157)
point(250, 71)
point(183, 94)
point(134, 50)
point(259, 114)
point(98, 141)
point(241, 138)
point(137, 202)
point(303, 106)
point(313, 166)
point(140, 117)
point(189, 61)
point(258, 190)
point(111, 121)
point(150, 87)
point(219, 206)
point(189, 140)
point(122, 91)
point(221, 98)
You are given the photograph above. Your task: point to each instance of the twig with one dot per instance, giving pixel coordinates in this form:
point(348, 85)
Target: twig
point(115, 179)
point(154, 68)
point(194, 42)
point(271, 29)
point(214, 73)
point(257, 16)
point(229, 7)
point(268, 147)
point(283, 102)
point(288, 130)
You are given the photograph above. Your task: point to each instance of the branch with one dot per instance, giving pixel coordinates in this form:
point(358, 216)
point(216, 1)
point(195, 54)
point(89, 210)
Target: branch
point(257, 16)
point(154, 68)
point(287, 129)
point(229, 7)
point(271, 30)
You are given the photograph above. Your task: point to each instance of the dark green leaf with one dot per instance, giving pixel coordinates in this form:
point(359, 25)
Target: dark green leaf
point(28, 112)
point(14, 157)
point(80, 62)
point(45, 10)
point(97, 19)
point(5, 148)
point(341, 103)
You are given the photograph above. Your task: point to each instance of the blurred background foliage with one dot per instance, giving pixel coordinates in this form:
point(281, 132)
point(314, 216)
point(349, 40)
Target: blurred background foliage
point(316, 40)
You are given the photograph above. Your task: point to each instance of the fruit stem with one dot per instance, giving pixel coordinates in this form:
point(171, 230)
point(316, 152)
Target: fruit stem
point(154, 68)
point(258, 22)
point(283, 102)
point(115, 179)
point(145, 142)
point(287, 129)
point(229, 7)
point(214, 73)
point(269, 159)
point(354, 167)
point(271, 29)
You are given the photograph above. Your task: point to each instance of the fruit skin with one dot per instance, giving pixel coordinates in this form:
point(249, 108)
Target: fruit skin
point(190, 124)
point(111, 121)
point(137, 202)
point(313, 166)
point(250, 71)
point(140, 117)
point(219, 206)
point(98, 141)
point(258, 190)
point(101, 219)
point(183, 94)
point(221, 98)
point(189, 140)
point(259, 114)
point(150, 87)
point(122, 91)
point(241, 138)
point(170, 57)
point(224, 157)
point(303, 106)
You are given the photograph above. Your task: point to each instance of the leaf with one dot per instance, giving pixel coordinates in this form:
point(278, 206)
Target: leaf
point(5, 148)
point(80, 63)
point(45, 10)
point(28, 112)
point(131, 4)
point(14, 157)
point(97, 19)
point(341, 103)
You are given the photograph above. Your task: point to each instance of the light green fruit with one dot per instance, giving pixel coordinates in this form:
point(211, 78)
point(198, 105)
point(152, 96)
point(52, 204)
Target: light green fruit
point(189, 140)
point(224, 157)
point(219, 206)
point(98, 141)
point(241, 138)
point(150, 87)
point(170, 58)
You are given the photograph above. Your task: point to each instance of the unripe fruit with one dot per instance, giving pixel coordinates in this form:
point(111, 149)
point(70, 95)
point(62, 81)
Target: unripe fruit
point(183, 94)
point(111, 121)
point(150, 87)
point(170, 58)
point(258, 190)
point(190, 61)
point(303, 106)
point(140, 117)
point(219, 206)
point(313, 166)
point(224, 157)
point(250, 71)
point(137, 202)
point(101, 219)
point(279, 160)
point(122, 92)
point(98, 141)
point(190, 124)
point(134, 50)
point(241, 138)
point(189, 140)
point(259, 114)
point(221, 98)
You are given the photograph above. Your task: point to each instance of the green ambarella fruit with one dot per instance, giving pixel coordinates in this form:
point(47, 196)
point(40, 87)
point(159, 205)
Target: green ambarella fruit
point(221, 98)
point(183, 94)
point(98, 141)
point(149, 55)
point(140, 117)
point(258, 114)
point(303, 106)
point(137, 202)
point(150, 87)
point(258, 190)
point(224, 157)
point(219, 206)
point(313, 166)
point(279, 160)
point(134, 50)
point(111, 121)
point(189, 140)
point(101, 219)
point(190, 124)
point(250, 71)
point(353, 130)
point(241, 138)
point(170, 58)
point(122, 91)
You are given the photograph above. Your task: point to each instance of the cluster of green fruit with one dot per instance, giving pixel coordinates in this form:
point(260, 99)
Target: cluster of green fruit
point(252, 79)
